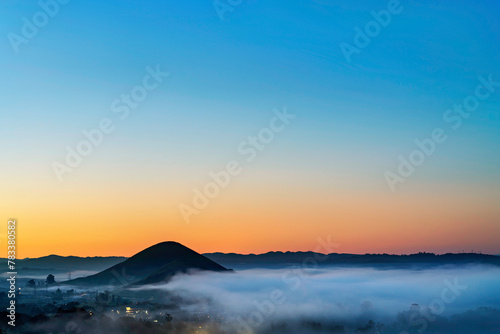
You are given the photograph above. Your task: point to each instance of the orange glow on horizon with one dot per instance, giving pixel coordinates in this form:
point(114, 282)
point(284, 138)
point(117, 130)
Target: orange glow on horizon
point(116, 224)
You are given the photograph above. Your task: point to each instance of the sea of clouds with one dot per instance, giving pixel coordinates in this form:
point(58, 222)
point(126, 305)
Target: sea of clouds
point(259, 299)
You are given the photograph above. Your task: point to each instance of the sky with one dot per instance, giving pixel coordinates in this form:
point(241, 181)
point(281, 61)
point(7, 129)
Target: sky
point(175, 91)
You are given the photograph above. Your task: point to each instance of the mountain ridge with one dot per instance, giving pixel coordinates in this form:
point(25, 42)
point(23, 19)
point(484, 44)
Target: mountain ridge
point(62, 264)
point(284, 259)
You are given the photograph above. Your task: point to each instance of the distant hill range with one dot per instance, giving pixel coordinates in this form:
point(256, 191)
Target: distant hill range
point(160, 261)
point(286, 259)
point(55, 264)
point(155, 264)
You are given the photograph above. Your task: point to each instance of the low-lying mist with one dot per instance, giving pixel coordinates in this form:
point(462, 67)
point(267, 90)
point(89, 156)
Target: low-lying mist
point(454, 299)
point(323, 298)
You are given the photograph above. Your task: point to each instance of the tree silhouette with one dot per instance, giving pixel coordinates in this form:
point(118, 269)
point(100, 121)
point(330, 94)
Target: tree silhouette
point(50, 279)
point(58, 294)
point(31, 284)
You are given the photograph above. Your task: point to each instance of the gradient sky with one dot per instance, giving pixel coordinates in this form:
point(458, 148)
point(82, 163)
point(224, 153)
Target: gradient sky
point(322, 176)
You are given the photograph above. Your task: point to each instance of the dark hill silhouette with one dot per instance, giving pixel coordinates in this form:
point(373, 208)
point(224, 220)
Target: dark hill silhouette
point(175, 267)
point(152, 265)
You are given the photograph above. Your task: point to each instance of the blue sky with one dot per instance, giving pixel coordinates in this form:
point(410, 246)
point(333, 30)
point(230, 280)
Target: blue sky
point(227, 75)
point(262, 55)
